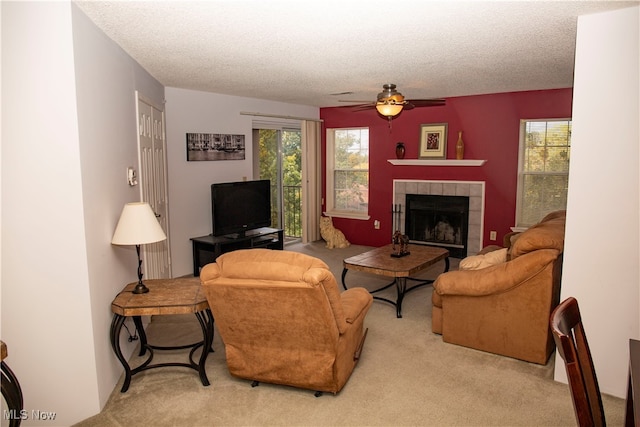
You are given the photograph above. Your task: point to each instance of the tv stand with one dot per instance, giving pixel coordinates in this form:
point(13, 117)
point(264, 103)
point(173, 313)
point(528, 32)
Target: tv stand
point(248, 233)
point(207, 248)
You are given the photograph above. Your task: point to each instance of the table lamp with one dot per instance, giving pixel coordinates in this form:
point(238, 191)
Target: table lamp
point(138, 226)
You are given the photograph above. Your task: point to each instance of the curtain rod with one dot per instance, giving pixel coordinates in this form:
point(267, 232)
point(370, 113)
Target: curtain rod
point(247, 113)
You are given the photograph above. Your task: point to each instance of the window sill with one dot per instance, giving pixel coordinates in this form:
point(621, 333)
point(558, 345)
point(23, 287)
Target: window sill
point(347, 215)
point(440, 162)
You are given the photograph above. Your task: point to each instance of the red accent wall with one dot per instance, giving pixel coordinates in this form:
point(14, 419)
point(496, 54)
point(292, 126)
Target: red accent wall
point(491, 129)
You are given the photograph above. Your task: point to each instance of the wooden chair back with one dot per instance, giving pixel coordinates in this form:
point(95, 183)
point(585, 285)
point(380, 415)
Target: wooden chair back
point(571, 342)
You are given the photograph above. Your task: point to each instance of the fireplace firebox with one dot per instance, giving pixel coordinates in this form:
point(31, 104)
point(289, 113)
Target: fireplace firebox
point(438, 221)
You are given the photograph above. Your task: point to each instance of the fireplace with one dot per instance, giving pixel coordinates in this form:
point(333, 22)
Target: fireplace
point(474, 190)
point(439, 221)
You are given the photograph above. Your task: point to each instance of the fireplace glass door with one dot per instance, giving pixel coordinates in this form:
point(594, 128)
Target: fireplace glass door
point(438, 221)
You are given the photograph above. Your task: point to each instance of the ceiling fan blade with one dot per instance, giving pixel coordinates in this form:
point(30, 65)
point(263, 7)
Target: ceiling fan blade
point(364, 107)
point(359, 107)
point(355, 100)
point(427, 102)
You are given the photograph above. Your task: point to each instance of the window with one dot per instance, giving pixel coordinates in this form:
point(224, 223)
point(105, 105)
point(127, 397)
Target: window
point(348, 173)
point(278, 158)
point(543, 169)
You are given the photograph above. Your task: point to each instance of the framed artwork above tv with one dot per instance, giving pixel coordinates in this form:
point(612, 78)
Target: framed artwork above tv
point(215, 146)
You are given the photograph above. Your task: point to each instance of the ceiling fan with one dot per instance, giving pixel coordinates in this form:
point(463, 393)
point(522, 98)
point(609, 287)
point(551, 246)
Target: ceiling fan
point(390, 102)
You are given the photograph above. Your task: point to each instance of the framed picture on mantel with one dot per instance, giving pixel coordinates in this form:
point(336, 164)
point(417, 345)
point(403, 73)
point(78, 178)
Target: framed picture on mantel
point(433, 141)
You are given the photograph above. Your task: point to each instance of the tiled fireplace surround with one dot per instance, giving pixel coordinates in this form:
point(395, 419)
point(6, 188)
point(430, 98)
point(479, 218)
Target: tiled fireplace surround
point(473, 189)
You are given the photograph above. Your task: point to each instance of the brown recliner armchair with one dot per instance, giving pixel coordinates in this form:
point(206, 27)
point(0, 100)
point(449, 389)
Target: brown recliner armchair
point(504, 308)
point(283, 320)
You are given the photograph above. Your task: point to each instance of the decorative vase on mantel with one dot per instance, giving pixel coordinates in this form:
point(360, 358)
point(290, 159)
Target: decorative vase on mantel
point(460, 147)
point(400, 150)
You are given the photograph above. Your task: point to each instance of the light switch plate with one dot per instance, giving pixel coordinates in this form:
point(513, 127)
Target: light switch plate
point(132, 176)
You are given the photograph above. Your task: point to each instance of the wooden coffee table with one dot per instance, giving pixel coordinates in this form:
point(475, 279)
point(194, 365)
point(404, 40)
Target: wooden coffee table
point(165, 296)
point(379, 261)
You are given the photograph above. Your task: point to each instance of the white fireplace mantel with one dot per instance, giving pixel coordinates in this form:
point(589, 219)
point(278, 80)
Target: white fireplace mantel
point(439, 162)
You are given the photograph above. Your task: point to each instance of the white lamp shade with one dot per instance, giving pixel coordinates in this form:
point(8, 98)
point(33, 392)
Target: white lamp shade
point(137, 225)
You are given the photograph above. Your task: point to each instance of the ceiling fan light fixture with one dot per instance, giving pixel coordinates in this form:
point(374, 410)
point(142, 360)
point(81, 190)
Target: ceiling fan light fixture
point(388, 109)
point(390, 101)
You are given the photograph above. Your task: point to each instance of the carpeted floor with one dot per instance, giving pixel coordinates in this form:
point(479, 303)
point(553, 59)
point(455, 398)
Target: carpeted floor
point(406, 377)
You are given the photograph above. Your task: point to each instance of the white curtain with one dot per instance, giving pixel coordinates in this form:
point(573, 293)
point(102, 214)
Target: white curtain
point(311, 181)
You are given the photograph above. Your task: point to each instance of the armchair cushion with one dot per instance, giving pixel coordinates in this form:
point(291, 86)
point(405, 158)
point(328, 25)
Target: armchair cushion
point(477, 262)
point(547, 234)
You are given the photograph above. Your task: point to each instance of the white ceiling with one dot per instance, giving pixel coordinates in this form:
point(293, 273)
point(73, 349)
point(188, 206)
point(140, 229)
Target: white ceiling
point(303, 52)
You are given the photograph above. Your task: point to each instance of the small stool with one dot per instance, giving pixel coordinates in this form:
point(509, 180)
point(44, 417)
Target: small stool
point(165, 296)
point(11, 391)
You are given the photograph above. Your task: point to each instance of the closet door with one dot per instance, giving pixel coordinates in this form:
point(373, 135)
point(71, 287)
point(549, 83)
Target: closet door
point(153, 184)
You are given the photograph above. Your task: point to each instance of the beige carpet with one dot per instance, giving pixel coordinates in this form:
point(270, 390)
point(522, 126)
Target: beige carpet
point(406, 377)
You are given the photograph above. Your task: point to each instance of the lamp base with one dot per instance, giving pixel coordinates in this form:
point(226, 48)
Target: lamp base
point(140, 289)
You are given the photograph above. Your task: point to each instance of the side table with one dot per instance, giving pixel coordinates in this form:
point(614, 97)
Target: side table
point(165, 296)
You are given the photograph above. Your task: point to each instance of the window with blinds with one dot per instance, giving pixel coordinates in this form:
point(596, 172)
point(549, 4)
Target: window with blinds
point(348, 172)
point(543, 169)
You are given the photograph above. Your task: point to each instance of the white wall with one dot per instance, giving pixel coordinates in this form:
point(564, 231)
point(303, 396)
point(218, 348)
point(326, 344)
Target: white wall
point(106, 81)
point(189, 182)
point(69, 131)
point(601, 268)
point(46, 315)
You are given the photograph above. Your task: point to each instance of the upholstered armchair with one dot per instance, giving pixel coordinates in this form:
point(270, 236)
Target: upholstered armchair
point(502, 303)
point(283, 320)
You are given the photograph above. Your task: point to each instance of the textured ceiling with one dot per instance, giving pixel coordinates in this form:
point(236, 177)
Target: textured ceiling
point(305, 52)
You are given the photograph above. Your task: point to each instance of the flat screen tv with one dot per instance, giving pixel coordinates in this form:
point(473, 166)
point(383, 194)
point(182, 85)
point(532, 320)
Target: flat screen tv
point(239, 207)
